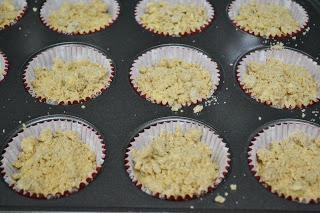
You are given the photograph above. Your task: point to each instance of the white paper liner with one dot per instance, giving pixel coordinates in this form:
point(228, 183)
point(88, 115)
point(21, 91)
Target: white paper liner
point(219, 149)
point(21, 6)
point(4, 64)
point(287, 56)
point(67, 52)
point(297, 11)
point(279, 131)
point(87, 134)
point(141, 7)
point(186, 54)
point(52, 5)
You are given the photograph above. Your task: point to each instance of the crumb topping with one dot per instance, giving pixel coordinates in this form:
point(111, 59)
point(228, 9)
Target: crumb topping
point(291, 166)
point(174, 19)
point(53, 163)
point(80, 17)
point(175, 163)
point(283, 85)
point(69, 81)
point(267, 19)
point(175, 82)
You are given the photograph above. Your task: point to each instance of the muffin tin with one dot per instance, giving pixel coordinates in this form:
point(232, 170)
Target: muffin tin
point(119, 113)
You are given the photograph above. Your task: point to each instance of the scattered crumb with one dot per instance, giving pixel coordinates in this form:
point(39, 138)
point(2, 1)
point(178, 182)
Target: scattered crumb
point(234, 176)
point(83, 106)
point(233, 187)
point(244, 175)
point(277, 46)
point(237, 202)
point(226, 194)
point(191, 207)
point(19, 28)
point(20, 122)
point(259, 118)
point(24, 126)
point(227, 88)
point(231, 64)
point(197, 109)
point(303, 115)
point(219, 199)
point(4, 131)
point(34, 9)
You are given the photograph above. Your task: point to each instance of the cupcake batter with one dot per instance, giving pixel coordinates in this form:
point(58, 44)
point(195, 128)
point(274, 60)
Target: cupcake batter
point(266, 19)
point(176, 163)
point(69, 81)
point(175, 82)
point(291, 166)
point(283, 85)
point(174, 19)
point(8, 13)
point(53, 163)
point(80, 17)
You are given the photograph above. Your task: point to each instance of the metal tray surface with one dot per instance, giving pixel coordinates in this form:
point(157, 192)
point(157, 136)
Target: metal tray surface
point(120, 112)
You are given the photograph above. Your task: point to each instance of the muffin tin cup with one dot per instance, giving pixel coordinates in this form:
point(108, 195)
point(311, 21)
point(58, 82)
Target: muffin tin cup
point(152, 130)
point(67, 52)
point(175, 51)
point(89, 135)
point(278, 131)
point(4, 65)
point(21, 5)
point(141, 6)
point(298, 12)
point(288, 56)
point(51, 5)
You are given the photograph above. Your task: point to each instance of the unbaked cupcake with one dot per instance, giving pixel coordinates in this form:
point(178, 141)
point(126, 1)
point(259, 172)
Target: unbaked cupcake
point(177, 159)
point(285, 158)
point(79, 17)
point(52, 157)
point(173, 17)
point(269, 19)
point(11, 11)
point(67, 74)
point(175, 76)
point(282, 78)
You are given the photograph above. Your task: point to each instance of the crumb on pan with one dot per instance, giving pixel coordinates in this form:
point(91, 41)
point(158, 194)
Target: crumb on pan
point(291, 166)
point(174, 19)
point(233, 187)
point(266, 19)
point(8, 13)
point(80, 17)
point(219, 199)
point(197, 109)
point(69, 81)
point(53, 163)
point(175, 82)
point(175, 163)
point(283, 85)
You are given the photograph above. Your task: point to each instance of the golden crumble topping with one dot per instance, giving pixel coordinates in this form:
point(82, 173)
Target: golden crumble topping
point(176, 164)
point(284, 85)
point(53, 163)
point(80, 17)
point(267, 19)
point(8, 13)
point(69, 81)
point(174, 19)
point(175, 82)
point(291, 166)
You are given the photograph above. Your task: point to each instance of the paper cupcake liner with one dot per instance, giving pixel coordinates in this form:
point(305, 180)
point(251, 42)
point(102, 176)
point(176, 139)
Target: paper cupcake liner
point(184, 53)
point(87, 132)
point(219, 149)
point(21, 5)
point(298, 12)
point(141, 6)
point(51, 5)
point(278, 131)
point(4, 65)
point(67, 52)
point(288, 56)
